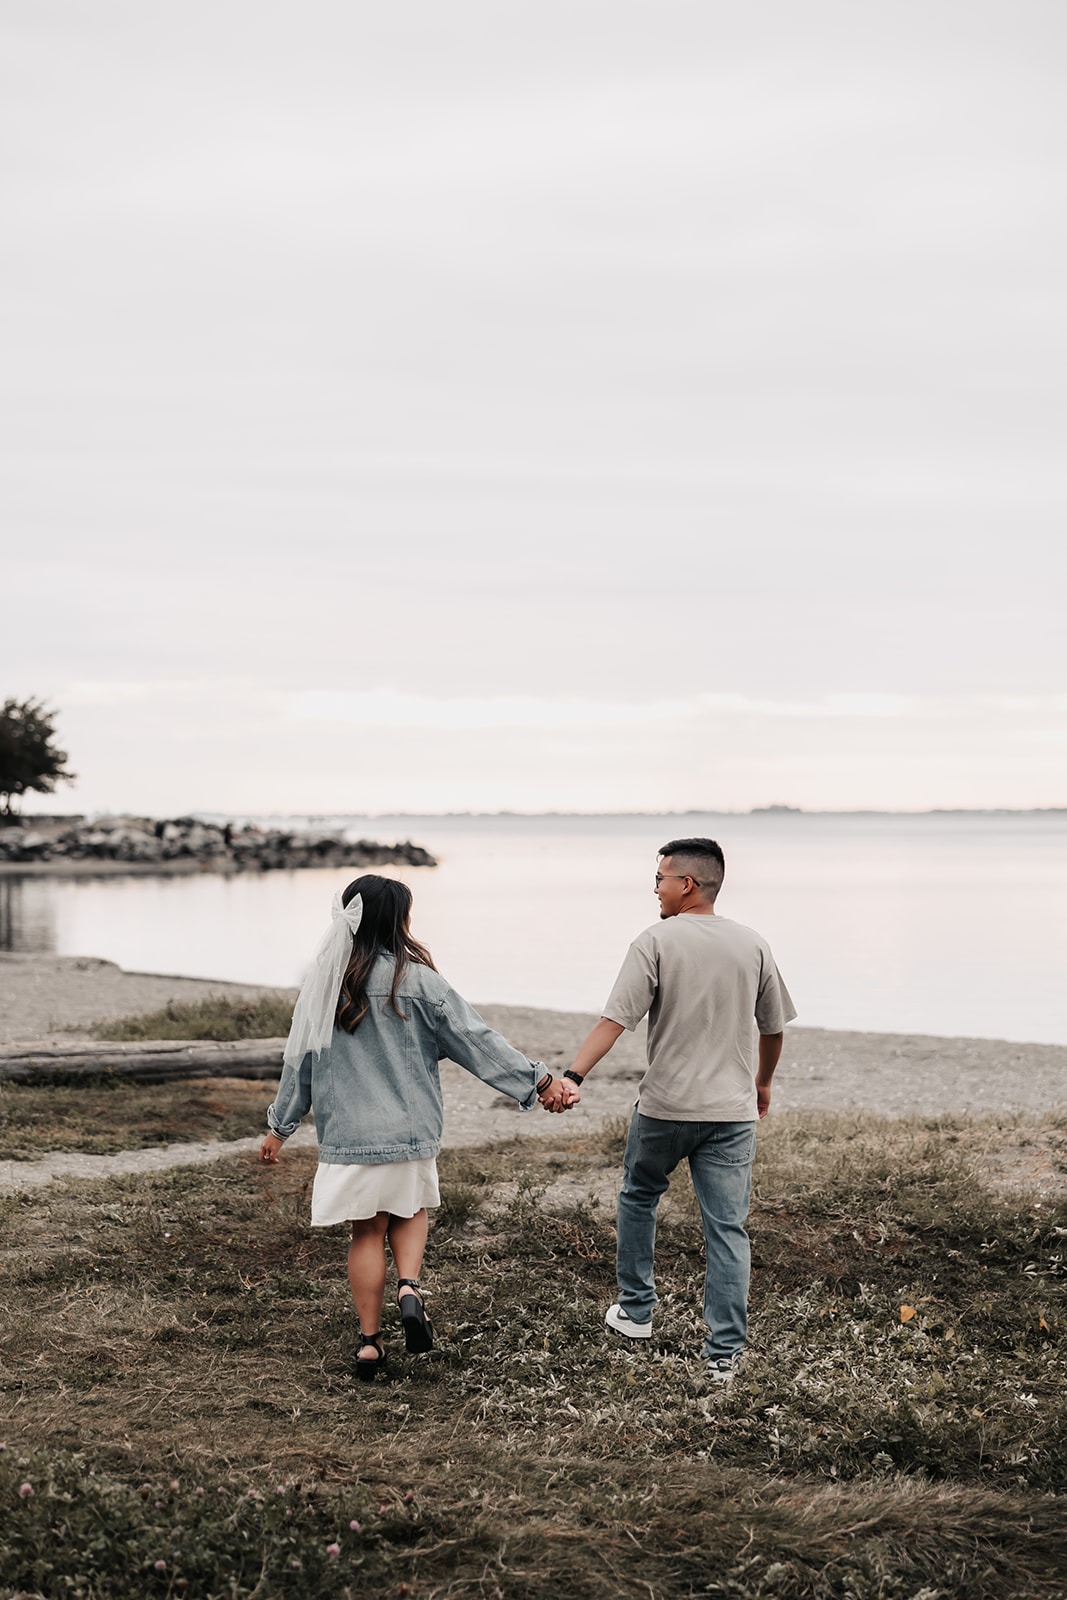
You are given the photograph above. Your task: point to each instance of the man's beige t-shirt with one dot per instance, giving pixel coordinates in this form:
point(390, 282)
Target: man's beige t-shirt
point(702, 980)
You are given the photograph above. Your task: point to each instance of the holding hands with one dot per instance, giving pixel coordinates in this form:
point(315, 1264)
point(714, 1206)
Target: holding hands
point(558, 1094)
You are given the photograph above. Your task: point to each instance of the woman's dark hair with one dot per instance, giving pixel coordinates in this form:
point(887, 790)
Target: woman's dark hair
point(383, 930)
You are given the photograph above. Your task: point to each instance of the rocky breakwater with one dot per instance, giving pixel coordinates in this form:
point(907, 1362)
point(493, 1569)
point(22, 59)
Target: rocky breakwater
point(186, 844)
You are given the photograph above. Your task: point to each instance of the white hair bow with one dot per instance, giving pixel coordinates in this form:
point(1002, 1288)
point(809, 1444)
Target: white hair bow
point(316, 1006)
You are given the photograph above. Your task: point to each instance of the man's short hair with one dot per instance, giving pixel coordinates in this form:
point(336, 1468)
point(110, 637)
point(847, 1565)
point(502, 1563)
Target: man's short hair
point(699, 859)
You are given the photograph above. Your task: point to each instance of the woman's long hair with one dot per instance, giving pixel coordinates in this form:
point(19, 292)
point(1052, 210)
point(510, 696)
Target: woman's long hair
point(383, 930)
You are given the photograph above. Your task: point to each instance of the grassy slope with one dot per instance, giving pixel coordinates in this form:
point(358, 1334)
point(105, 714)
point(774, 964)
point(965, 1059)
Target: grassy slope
point(190, 1328)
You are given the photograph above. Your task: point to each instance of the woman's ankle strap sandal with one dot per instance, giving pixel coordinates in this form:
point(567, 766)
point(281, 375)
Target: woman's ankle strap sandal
point(418, 1329)
point(367, 1371)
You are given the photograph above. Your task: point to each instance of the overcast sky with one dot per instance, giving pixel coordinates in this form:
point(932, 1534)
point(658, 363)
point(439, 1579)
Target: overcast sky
point(537, 405)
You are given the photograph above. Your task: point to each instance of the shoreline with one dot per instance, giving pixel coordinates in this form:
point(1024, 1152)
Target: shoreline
point(184, 866)
point(57, 997)
point(181, 866)
point(821, 1070)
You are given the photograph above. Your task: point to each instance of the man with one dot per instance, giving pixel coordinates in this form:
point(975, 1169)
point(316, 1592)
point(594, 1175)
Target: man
point(701, 979)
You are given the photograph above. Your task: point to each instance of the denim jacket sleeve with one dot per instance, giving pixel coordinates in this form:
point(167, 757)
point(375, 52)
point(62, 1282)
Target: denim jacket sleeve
point(463, 1037)
point(293, 1099)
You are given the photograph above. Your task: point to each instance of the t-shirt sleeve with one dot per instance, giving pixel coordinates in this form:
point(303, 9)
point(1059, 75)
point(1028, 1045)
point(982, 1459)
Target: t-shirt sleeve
point(774, 1006)
point(635, 987)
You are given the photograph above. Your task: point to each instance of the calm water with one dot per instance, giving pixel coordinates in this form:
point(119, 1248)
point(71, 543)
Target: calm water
point(949, 925)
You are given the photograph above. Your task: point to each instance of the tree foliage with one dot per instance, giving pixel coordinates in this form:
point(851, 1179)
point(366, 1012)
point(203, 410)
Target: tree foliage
point(29, 758)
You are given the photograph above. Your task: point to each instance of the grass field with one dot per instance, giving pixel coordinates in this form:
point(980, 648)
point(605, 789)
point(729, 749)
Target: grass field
point(113, 1113)
point(178, 1391)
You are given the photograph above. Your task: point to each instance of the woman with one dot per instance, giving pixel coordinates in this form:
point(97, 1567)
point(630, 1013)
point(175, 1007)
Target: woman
point(373, 1019)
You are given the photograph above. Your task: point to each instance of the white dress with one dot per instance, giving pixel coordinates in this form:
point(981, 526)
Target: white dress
point(349, 1193)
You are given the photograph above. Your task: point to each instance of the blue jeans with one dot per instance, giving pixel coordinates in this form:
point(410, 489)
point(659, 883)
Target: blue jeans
point(720, 1161)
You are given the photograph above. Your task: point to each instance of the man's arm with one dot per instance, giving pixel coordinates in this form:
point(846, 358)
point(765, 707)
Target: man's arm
point(770, 1048)
point(596, 1045)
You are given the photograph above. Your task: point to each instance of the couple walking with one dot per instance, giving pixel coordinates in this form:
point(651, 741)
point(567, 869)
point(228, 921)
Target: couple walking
point(374, 1018)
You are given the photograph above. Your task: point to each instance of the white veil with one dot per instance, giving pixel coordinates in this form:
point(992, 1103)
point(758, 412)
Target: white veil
point(316, 1006)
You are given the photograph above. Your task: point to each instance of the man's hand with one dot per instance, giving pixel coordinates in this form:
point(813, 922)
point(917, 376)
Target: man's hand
point(770, 1048)
point(560, 1095)
point(268, 1150)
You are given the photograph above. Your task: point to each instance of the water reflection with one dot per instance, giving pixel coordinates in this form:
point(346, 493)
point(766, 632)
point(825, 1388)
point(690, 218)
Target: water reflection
point(940, 925)
point(28, 915)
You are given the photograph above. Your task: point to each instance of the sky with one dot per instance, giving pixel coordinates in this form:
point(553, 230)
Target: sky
point(536, 404)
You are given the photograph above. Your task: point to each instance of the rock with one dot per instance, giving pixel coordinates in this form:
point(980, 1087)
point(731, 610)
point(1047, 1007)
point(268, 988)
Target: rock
point(143, 840)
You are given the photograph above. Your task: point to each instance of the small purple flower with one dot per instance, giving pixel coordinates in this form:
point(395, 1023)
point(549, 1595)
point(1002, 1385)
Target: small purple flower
point(354, 1525)
point(333, 1551)
point(295, 1564)
point(26, 1490)
point(174, 1486)
point(199, 1492)
point(280, 1489)
point(160, 1565)
point(158, 1504)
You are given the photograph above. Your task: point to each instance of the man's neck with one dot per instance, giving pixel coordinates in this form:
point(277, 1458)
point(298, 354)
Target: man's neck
point(700, 909)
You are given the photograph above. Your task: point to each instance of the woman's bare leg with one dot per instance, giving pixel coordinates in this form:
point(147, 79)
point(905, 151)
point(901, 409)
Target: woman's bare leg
point(366, 1274)
point(407, 1240)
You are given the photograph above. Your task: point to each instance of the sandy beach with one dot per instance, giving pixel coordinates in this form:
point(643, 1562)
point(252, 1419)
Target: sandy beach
point(57, 997)
point(898, 1075)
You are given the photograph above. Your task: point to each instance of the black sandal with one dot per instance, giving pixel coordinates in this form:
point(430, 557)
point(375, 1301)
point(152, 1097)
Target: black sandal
point(418, 1329)
point(367, 1371)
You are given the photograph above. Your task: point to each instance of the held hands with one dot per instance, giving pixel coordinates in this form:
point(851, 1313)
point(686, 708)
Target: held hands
point(560, 1095)
point(268, 1150)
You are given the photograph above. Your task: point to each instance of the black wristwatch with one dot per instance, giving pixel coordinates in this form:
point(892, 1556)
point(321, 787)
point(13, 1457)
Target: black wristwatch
point(575, 1077)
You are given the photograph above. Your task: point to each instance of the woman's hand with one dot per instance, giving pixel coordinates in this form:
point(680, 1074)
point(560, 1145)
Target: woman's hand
point(268, 1150)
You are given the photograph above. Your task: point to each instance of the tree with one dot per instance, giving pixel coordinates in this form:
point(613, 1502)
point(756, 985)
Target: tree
point(28, 756)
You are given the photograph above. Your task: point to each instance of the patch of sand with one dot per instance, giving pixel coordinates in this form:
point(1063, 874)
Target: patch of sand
point(894, 1074)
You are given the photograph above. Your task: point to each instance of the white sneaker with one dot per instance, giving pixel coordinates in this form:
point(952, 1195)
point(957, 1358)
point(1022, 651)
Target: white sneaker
point(722, 1370)
point(616, 1318)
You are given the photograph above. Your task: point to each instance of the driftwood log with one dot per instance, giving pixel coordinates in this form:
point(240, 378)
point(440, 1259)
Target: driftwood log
point(146, 1060)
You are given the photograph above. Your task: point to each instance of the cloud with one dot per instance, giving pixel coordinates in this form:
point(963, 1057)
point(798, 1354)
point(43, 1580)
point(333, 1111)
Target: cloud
point(390, 708)
point(123, 694)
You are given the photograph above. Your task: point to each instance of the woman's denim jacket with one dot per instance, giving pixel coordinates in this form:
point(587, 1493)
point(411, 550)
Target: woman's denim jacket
point(377, 1092)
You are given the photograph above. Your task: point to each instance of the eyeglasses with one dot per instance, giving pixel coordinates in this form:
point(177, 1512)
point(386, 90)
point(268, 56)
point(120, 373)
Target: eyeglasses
point(680, 875)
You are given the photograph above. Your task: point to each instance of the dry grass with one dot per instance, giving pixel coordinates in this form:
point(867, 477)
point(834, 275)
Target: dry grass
point(216, 1017)
point(191, 1327)
point(113, 1113)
